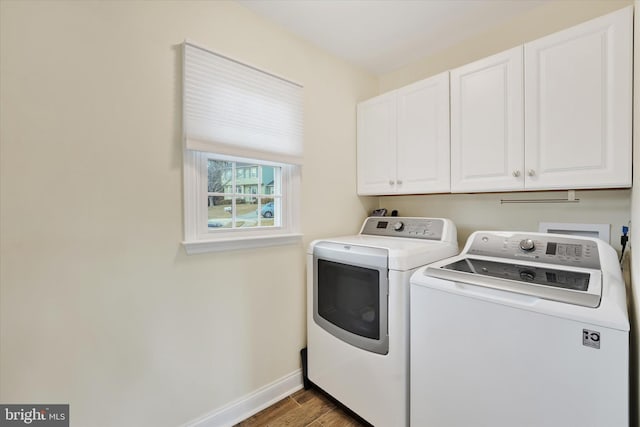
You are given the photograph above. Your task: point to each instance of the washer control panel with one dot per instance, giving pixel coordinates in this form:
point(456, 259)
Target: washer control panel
point(415, 228)
point(547, 248)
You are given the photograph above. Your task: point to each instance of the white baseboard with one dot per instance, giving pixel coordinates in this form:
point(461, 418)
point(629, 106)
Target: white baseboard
point(252, 403)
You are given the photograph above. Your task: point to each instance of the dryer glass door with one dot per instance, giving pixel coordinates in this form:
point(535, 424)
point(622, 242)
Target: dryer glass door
point(351, 298)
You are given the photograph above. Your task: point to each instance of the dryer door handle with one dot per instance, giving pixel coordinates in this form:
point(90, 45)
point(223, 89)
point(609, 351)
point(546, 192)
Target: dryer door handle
point(361, 256)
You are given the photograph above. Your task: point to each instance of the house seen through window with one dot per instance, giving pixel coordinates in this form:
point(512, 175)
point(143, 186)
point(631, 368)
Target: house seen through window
point(243, 195)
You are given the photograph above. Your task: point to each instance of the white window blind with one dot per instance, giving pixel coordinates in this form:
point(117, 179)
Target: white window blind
point(235, 109)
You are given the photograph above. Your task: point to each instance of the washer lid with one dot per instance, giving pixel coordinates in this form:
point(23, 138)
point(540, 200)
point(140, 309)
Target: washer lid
point(573, 286)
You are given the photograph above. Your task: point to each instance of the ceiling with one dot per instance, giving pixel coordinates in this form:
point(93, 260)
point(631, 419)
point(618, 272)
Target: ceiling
point(384, 35)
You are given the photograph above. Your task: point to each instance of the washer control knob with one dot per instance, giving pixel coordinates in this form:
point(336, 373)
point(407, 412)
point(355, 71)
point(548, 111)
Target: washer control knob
point(527, 245)
point(398, 226)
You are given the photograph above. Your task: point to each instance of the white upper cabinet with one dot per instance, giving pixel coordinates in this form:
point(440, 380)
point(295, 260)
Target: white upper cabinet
point(403, 140)
point(487, 132)
point(377, 144)
point(576, 131)
point(423, 137)
point(555, 113)
point(578, 97)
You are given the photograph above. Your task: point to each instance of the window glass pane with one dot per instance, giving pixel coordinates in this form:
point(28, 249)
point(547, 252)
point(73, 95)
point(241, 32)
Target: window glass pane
point(269, 175)
point(219, 212)
point(246, 212)
point(219, 181)
point(243, 172)
point(268, 212)
point(219, 176)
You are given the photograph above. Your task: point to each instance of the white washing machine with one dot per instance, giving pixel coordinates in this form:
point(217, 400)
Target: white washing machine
point(521, 329)
point(358, 311)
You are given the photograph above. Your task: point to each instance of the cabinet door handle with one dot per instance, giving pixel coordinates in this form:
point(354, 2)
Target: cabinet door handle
point(391, 182)
point(531, 172)
point(516, 173)
point(399, 182)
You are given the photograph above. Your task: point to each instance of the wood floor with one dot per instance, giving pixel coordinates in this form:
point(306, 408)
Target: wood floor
point(304, 408)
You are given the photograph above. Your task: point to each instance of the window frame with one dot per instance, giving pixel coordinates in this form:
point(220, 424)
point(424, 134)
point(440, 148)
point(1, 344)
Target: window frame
point(199, 238)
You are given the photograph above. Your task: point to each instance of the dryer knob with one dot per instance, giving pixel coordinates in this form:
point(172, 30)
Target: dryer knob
point(398, 226)
point(527, 245)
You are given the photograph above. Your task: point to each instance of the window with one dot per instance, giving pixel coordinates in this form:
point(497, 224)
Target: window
point(230, 209)
point(242, 155)
point(225, 212)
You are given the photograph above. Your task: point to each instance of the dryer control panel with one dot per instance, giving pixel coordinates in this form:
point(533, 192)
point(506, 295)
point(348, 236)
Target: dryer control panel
point(539, 247)
point(415, 228)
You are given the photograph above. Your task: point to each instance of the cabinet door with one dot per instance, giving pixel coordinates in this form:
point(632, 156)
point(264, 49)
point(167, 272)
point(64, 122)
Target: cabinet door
point(578, 88)
point(377, 145)
point(487, 135)
point(423, 136)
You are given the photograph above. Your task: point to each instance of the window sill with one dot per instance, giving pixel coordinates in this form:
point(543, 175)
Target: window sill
point(219, 245)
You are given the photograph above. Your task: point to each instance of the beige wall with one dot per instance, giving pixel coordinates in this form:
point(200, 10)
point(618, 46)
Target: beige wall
point(99, 305)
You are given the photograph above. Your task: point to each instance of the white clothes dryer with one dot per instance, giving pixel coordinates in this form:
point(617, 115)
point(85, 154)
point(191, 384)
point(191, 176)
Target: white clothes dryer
point(521, 329)
point(358, 311)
